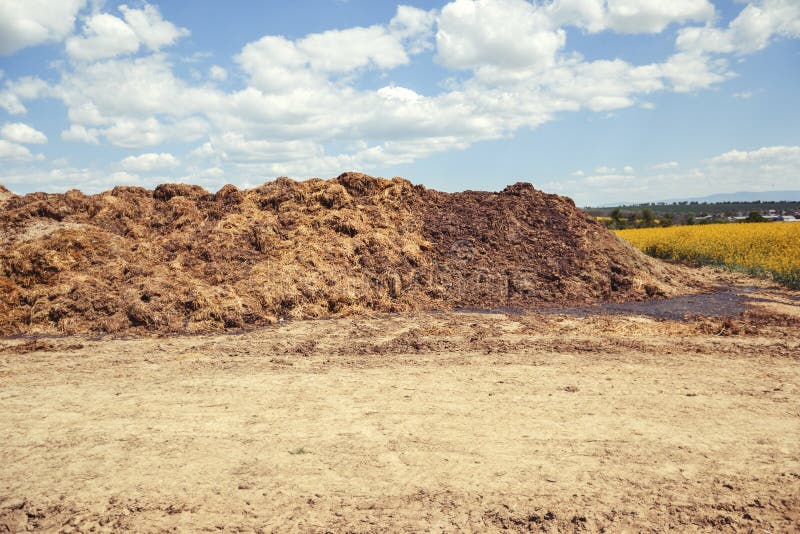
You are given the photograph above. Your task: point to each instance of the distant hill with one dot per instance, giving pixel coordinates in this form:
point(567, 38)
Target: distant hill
point(713, 208)
point(744, 196)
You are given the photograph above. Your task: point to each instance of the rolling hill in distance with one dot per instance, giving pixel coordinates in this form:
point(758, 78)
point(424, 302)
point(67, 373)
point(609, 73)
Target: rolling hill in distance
point(742, 196)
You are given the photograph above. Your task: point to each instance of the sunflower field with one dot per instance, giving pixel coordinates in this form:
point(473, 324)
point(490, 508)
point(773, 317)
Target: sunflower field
point(762, 249)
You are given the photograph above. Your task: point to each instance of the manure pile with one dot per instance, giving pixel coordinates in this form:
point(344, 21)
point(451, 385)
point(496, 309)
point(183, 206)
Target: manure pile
point(180, 259)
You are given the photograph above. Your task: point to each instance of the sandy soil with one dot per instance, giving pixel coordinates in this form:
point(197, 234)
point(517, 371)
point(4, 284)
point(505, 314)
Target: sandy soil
point(432, 422)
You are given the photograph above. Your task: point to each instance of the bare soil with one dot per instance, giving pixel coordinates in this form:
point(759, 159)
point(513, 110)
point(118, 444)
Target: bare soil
point(421, 422)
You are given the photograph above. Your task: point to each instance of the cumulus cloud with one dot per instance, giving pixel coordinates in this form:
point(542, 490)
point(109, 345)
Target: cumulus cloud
point(690, 71)
point(31, 22)
point(759, 169)
point(665, 165)
point(16, 91)
point(235, 147)
point(384, 46)
point(345, 50)
point(415, 27)
point(26, 178)
point(218, 73)
point(296, 97)
point(80, 134)
point(468, 36)
point(609, 179)
point(774, 154)
point(629, 16)
point(18, 132)
point(129, 132)
point(296, 93)
point(652, 16)
point(303, 111)
point(277, 64)
point(135, 102)
point(11, 103)
point(105, 35)
point(752, 30)
point(149, 162)
point(152, 30)
point(14, 151)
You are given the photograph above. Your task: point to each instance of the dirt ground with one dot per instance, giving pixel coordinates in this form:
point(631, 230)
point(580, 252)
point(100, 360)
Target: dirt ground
point(562, 421)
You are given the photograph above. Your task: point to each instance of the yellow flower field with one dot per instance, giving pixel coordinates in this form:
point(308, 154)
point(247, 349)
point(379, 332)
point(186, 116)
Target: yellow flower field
point(771, 249)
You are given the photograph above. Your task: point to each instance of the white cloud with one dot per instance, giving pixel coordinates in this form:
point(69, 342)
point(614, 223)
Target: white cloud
point(609, 179)
point(688, 71)
point(763, 169)
point(149, 162)
point(346, 50)
point(415, 27)
point(59, 178)
point(629, 16)
point(211, 172)
point(385, 47)
point(19, 132)
point(123, 178)
point(744, 95)
point(605, 170)
point(11, 103)
point(496, 33)
point(31, 22)
point(80, 134)
point(274, 64)
point(773, 154)
point(752, 30)
point(14, 151)
point(25, 88)
point(627, 169)
point(134, 133)
point(652, 16)
point(135, 102)
point(218, 73)
point(152, 30)
point(141, 86)
point(29, 87)
point(105, 35)
point(665, 165)
point(137, 133)
point(235, 147)
point(141, 102)
point(279, 65)
point(302, 111)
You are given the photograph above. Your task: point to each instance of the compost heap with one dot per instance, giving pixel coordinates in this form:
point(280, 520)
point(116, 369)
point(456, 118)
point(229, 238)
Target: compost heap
point(180, 259)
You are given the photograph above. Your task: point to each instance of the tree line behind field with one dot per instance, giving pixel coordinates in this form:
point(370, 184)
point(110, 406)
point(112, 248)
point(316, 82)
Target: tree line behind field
point(650, 215)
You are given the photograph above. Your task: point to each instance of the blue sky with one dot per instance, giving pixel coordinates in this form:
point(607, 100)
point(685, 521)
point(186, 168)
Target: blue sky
point(601, 100)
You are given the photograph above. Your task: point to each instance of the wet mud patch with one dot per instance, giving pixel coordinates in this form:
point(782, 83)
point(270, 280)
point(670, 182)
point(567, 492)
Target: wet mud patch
point(728, 302)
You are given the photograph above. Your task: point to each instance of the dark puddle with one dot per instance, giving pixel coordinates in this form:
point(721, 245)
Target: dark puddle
point(489, 311)
point(729, 301)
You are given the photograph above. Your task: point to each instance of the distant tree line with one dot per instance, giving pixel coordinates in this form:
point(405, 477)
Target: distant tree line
point(650, 215)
